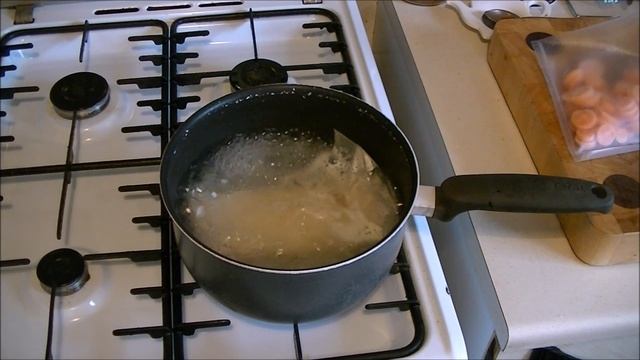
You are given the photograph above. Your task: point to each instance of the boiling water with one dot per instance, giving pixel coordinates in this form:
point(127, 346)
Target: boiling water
point(289, 200)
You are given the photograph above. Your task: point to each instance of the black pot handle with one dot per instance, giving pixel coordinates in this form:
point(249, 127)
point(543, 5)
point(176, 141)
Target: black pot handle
point(519, 193)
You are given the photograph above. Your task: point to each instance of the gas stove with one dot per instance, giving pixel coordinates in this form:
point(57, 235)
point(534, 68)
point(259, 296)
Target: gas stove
point(90, 94)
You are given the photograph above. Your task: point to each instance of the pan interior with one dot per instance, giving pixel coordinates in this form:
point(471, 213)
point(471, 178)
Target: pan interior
point(313, 111)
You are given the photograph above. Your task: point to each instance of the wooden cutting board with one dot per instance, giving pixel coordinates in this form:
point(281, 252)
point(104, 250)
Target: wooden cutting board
point(597, 239)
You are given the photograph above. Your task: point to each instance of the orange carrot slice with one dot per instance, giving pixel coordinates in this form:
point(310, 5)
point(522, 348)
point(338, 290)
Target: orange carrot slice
point(605, 134)
point(573, 78)
point(584, 119)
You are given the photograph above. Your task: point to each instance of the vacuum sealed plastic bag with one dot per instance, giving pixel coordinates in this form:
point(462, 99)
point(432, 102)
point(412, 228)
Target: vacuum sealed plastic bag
point(593, 77)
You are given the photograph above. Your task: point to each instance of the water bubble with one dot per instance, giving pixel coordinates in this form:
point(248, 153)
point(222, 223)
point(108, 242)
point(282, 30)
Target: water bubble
point(187, 210)
point(214, 194)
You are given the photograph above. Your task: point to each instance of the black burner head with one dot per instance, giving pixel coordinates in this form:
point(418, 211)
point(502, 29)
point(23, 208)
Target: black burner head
point(62, 269)
point(256, 72)
point(85, 93)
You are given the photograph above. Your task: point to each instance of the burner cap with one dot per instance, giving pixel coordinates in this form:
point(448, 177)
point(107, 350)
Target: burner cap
point(64, 269)
point(257, 72)
point(85, 93)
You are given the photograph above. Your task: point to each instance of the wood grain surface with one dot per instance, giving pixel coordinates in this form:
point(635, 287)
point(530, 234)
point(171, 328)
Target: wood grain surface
point(597, 239)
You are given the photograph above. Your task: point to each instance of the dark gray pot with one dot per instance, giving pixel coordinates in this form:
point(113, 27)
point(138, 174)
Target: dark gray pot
point(288, 295)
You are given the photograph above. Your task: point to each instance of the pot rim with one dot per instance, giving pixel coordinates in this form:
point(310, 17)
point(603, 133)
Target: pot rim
point(279, 87)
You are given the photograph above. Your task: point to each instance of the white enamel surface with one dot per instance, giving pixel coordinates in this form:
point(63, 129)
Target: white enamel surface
point(98, 216)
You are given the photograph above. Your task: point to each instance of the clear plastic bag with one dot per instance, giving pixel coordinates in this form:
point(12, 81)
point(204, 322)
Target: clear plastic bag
point(593, 77)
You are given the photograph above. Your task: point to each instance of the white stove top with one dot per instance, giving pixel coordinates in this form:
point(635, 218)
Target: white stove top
point(97, 217)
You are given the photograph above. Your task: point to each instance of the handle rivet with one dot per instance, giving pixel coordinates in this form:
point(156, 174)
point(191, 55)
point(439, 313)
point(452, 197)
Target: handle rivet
point(599, 191)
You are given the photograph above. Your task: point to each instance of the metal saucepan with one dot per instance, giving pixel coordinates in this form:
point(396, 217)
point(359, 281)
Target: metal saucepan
point(301, 295)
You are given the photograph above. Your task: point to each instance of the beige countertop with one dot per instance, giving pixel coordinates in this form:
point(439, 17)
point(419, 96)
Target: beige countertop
point(548, 296)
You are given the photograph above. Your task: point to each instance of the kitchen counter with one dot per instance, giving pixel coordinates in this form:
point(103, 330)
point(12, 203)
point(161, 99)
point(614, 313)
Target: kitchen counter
point(546, 294)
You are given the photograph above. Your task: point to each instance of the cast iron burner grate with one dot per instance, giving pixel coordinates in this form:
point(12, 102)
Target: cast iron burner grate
point(257, 71)
point(171, 289)
point(84, 93)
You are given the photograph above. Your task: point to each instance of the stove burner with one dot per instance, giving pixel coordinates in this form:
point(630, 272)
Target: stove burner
point(85, 93)
point(257, 72)
point(64, 269)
